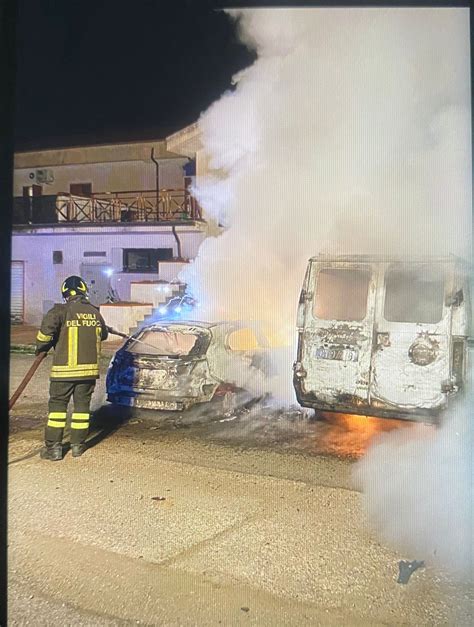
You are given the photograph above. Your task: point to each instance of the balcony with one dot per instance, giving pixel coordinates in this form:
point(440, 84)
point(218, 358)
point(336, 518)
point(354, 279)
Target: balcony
point(170, 205)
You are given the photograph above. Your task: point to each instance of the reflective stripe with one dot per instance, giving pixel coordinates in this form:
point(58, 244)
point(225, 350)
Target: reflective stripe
point(74, 372)
point(57, 424)
point(41, 337)
point(80, 417)
point(83, 374)
point(79, 425)
point(61, 415)
point(81, 370)
point(98, 331)
point(57, 419)
point(76, 367)
point(72, 347)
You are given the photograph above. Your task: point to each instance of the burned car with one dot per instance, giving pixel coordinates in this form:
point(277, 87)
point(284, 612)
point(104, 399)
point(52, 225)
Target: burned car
point(175, 365)
point(384, 336)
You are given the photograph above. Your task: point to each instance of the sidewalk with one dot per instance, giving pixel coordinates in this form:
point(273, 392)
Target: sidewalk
point(183, 533)
point(22, 334)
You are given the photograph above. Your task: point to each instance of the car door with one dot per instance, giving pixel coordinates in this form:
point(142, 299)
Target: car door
point(411, 357)
point(337, 333)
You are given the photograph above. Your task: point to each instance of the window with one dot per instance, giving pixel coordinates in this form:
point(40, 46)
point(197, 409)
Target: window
point(341, 294)
point(145, 259)
point(57, 256)
point(91, 253)
point(413, 294)
point(80, 189)
point(168, 343)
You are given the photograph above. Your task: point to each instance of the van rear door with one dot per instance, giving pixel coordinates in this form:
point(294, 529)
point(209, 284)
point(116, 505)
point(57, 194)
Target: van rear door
point(337, 332)
point(410, 360)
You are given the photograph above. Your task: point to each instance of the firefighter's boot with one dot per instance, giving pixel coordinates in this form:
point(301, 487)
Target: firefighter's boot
point(52, 452)
point(77, 449)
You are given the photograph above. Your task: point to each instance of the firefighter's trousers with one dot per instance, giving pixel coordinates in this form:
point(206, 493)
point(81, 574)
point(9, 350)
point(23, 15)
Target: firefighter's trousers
point(60, 392)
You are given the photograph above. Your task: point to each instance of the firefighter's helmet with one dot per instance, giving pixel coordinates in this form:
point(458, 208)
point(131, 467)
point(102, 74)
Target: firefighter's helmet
point(73, 286)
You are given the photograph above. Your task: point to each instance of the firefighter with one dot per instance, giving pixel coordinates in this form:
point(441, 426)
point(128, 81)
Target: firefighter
point(75, 330)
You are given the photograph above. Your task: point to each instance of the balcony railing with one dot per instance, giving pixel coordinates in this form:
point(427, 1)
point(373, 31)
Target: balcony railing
point(170, 205)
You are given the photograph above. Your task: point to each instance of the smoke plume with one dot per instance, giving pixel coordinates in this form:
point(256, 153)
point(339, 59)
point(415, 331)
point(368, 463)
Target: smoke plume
point(418, 491)
point(349, 134)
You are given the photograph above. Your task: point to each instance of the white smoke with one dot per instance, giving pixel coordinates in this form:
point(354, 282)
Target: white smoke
point(350, 133)
point(418, 491)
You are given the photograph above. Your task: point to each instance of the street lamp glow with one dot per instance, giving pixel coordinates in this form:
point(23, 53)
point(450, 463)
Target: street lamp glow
point(108, 271)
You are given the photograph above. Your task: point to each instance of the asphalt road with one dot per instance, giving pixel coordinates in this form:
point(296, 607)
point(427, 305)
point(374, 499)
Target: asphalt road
point(204, 519)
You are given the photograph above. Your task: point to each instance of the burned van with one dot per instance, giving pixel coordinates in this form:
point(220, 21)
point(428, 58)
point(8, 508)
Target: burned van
point(175, 365)
point(383, 336)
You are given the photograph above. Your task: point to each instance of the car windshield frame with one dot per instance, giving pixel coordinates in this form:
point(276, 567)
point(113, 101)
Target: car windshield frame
point(199, 348)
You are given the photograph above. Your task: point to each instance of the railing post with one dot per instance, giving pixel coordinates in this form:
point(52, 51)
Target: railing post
point(172, 204)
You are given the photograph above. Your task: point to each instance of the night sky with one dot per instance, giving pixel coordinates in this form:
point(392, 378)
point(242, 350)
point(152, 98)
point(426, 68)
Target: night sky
point(109, 70)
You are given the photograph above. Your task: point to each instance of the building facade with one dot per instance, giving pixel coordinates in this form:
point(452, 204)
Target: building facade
point(118, 215)
point(96, 169)
point(109, 258)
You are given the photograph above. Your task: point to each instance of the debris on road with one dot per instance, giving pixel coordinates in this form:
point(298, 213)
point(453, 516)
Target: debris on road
point(407, 568)
point(158, 498)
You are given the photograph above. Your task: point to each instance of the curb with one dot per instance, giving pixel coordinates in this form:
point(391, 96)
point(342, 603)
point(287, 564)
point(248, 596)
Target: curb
point(27, 349)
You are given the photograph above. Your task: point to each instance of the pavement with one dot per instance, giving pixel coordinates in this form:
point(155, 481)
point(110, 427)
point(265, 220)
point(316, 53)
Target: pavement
point(22, 335)
point(139, 530)
point(159, 525)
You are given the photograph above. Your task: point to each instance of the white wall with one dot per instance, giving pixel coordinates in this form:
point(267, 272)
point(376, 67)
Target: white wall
point(155, 293)
point(43, 279)
point(106, 177)
point(123, 318)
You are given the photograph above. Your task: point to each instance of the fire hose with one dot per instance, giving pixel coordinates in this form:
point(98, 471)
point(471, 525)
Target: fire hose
point(26, 379)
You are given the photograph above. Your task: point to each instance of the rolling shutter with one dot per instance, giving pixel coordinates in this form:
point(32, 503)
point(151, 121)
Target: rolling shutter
point(17, 288)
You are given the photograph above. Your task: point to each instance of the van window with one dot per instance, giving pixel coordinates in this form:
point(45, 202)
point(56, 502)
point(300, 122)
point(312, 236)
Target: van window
point(341, 294)
point(413, 294)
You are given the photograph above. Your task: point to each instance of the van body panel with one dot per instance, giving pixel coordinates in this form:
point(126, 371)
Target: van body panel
point(398, 377)
point(336, 353)
point(395, 382)
point(382, 336)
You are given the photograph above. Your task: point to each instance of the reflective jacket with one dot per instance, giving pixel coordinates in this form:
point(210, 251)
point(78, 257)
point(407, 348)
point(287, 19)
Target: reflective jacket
point(75, 330)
